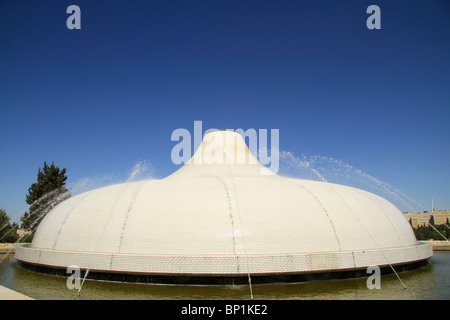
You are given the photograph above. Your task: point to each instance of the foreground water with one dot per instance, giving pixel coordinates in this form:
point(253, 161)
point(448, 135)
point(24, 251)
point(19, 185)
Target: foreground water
point(429, 282)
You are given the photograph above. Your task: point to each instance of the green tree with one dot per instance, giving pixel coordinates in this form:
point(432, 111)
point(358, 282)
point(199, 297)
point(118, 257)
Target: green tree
point(43, 195)
point(428, 232)
point(7, 230)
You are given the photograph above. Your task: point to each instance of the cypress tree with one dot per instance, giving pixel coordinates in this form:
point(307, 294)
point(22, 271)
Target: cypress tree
point(43, 195)
point(431, 221)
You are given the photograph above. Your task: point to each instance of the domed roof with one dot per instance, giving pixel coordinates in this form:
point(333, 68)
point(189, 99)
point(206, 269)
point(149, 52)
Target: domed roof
point(220, 209)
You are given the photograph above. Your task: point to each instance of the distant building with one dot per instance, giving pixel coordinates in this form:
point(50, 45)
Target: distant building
point(22, 232)
point(422, 219)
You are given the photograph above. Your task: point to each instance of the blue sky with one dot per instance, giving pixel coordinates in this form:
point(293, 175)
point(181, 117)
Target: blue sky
point(100, 99)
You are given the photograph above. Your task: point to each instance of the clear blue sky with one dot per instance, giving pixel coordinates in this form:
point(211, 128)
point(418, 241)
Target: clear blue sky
point(99, 99)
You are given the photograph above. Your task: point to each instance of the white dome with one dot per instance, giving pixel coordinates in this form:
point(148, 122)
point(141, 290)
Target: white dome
point(224, 219)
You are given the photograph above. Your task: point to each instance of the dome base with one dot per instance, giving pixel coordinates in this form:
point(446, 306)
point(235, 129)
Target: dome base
point(231, 269)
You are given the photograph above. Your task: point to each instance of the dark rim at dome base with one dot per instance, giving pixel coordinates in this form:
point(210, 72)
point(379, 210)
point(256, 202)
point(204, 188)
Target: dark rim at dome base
point(222, 280)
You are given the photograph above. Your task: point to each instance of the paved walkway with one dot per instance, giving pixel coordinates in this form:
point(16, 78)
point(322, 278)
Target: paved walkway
point(9, 247)
point(8, 294)
point(439, 245)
